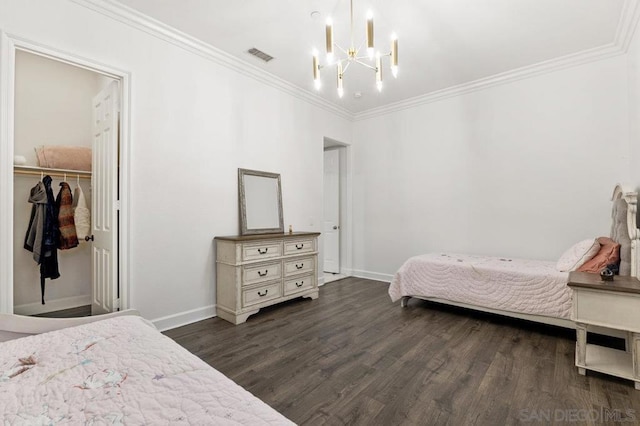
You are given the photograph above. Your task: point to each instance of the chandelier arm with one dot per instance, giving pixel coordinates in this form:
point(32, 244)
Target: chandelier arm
point(341, 49)
point(364, 64)
point(346, 67)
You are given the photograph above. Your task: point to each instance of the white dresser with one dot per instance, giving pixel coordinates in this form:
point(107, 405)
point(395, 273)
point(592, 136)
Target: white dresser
point(254, 271)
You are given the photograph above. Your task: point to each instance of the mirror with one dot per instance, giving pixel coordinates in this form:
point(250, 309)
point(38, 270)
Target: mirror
point(260, 202)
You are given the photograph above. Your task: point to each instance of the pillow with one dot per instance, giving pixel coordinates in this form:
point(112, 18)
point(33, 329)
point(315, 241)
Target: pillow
point(577, 255)
point(609, 253)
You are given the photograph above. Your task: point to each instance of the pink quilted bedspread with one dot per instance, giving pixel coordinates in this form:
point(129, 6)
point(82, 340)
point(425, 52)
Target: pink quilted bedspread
point(516, 285)
point(118, 371)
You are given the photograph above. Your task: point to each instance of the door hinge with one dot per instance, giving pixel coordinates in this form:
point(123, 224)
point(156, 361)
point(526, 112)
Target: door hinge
point(117, 204)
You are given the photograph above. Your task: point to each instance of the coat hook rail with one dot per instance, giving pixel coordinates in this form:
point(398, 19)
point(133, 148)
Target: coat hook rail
point(38, 171)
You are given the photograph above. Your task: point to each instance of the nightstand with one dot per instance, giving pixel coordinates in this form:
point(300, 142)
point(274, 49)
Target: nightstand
point(612, 305)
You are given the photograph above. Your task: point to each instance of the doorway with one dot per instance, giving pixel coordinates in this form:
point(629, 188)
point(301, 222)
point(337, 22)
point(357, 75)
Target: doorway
point(336, 201)
point(94, 273)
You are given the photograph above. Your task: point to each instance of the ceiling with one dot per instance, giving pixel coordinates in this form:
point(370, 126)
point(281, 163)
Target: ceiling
point(442, 43)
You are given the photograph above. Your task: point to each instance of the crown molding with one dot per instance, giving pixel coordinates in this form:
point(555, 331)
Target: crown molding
point(142, 22)
point(540, 68)
point(627, 23)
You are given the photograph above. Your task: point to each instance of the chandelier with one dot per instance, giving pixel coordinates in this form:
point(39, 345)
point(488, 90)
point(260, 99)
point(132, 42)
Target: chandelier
point(343, 58)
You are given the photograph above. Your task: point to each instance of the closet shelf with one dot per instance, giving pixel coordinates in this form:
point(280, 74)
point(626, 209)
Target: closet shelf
point(36, 171)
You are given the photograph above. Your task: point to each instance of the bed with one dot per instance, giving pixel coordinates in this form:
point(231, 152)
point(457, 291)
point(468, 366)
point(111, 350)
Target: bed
point(118, 370)
point(528, 289)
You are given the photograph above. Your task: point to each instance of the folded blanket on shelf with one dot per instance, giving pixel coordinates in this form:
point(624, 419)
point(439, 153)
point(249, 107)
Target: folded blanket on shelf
point(64, 157)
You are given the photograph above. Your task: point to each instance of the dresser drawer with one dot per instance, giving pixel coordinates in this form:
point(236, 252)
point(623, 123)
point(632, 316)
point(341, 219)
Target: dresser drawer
point(253, 274)
point(261, 294)
point(302, 265)
point(607, 309)
point(302, 283)
point(299, 247)
point(259, 251)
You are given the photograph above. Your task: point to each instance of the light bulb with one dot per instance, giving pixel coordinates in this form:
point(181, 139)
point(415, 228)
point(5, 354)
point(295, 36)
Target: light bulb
point(378, 72)
point(370, 47)
point(394, 55)
point(329, 38)
point(339, 79)
point(316, 70)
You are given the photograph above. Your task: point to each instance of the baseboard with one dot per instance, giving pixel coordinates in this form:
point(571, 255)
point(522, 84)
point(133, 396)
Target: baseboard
point(184, 318)
point(52, 305)
point(347, 272)
point(372, 275)
point(320, 281)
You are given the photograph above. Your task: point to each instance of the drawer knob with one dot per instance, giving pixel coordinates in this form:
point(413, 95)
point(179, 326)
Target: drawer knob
point(263, 251)
point(300, 266)
point(263, 294)
point(266, 271)
point(300, 284)
point(299, 246)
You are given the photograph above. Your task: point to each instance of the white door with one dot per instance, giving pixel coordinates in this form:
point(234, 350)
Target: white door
point(104, 192)
point(331, 230)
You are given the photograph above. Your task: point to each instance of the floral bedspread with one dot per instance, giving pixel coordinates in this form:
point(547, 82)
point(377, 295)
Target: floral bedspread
point(118, 371)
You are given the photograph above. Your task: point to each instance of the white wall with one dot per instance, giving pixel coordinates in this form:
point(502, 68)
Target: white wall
point(193, 123)
point(633, 69)
point(523, 169)
point(52, 107)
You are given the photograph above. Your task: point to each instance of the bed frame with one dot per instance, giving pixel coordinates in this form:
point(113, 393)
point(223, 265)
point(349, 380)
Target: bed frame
point(624, 192)
point(16, 326)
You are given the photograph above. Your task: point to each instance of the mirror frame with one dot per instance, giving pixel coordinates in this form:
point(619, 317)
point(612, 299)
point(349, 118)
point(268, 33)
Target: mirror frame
point(243, 204)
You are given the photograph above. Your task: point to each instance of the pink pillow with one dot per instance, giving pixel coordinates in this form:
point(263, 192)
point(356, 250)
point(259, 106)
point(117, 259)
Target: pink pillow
point(609, 253)
point(577, 255)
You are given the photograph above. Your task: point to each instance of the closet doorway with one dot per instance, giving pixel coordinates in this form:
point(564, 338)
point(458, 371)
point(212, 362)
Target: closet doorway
point(59, 109)
point(335, 232)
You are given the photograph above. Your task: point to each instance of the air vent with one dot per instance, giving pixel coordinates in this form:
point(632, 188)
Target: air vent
point(259, 54)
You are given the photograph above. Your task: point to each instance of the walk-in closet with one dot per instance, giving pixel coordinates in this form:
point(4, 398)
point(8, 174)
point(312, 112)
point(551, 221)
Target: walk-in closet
point(54, 131)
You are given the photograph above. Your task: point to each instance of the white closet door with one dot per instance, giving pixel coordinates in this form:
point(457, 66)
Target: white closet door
point(331, 231)
point(104, 193)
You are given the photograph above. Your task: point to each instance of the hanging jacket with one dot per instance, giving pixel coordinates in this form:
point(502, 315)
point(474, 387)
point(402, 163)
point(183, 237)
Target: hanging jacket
point(50, 239)
point(66, 224)
point(35, 231)
point(81, 214)
point(42, 233)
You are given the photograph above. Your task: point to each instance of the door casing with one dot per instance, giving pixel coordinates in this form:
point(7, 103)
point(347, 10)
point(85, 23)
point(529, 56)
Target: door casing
point(9, 43)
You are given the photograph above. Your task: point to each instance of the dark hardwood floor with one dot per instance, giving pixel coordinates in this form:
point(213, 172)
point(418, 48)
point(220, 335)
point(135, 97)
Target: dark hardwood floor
point(80, 311)
point(353, 357)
